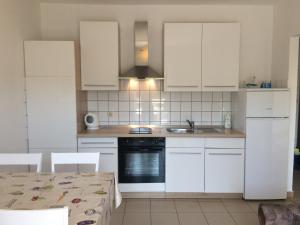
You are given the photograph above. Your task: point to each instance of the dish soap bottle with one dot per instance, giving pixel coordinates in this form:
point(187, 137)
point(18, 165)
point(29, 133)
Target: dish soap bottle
point(227, 121)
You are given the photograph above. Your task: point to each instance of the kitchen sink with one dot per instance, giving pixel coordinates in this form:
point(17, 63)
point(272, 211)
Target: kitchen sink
point(180, 130)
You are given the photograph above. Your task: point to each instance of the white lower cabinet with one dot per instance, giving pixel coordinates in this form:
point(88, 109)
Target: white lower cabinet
point(108, 161)
point(211, 165)
point(224, 170)
point(185, 170)
point(184, 165)
point(108, 149)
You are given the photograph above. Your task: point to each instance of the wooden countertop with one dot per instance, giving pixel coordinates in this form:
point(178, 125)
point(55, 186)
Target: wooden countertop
point(123, 131)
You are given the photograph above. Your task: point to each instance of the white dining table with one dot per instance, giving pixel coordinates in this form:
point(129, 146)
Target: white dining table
point(90, 197)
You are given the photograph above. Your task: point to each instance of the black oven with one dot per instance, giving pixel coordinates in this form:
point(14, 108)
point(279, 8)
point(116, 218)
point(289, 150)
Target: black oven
point(141, 160)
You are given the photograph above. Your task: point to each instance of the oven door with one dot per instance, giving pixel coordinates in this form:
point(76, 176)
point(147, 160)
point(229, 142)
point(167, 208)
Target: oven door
point(141, 165)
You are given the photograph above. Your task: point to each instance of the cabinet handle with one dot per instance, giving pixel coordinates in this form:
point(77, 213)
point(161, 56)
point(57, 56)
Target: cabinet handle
point(185, 153)
point(191, 86)
point(225, 154)
point(106, 153)
point(97, 143)
point(211, 86)
point(100, 85)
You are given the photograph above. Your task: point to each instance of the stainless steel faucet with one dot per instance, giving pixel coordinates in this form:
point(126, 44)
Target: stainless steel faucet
point(191, 124)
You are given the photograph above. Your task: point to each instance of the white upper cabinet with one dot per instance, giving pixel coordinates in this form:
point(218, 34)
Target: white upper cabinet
point(201, 56)
point(99, 44)
point(220, 56)
point(182, 56)
point(49, 58)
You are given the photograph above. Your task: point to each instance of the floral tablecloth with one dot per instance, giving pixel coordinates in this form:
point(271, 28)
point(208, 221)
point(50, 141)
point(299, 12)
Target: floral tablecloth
point(90, 197)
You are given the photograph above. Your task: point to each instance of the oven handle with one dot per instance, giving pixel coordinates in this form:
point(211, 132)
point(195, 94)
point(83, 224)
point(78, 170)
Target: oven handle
point(142, 149)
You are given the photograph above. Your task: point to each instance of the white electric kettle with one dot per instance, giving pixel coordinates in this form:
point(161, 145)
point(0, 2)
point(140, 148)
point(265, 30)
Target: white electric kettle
point(91, 121)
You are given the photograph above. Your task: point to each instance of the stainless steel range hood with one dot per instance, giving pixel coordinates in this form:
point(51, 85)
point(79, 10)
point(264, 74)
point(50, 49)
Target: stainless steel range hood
point(141, 70)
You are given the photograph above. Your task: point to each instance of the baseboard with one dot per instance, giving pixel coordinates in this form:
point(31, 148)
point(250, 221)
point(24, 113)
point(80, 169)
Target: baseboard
point(180, 195)
point(290, 195)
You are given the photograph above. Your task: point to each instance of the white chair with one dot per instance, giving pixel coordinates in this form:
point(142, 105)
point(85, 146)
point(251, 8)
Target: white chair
point(74, 158)
point(22, 159)
point(58, 216)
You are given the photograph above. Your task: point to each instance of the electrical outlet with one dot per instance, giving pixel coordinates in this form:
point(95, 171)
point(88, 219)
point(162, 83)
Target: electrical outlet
point(109, 114)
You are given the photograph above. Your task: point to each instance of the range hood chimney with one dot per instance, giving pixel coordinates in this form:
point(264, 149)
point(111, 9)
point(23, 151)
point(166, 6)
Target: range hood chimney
point(141, 70)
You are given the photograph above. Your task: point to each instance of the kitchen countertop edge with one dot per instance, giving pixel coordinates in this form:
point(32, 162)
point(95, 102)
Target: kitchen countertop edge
point(122, 131)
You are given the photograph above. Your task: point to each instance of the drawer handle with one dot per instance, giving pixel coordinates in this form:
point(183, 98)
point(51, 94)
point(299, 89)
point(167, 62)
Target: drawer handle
point(225, 154)
point(191, 86)
point(96, 143)
point(100, 85)
point(107, 153)
point(186, 153)
point(210, 86)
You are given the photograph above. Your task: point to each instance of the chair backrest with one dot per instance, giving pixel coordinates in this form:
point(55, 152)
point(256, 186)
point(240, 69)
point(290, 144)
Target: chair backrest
point(57, 216)
point(74, 158)
point(22, 159)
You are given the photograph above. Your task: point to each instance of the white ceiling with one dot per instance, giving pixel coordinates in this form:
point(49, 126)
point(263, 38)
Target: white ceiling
point(144, 2)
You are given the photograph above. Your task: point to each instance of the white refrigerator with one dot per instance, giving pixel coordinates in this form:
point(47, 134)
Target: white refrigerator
point(264, 117)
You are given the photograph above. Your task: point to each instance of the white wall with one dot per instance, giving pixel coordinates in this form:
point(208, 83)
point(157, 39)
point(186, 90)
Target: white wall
point(282, 27)
point(19, 20)
point(286, 24)
point(61, 21)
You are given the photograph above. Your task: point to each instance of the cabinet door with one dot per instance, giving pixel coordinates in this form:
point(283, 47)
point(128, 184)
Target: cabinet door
point(108, 160)
point(220, 56)
point(51, 109)
point(99, 46)
point(185, 170)
point(182, 56)
point(49, 58)
point(224, 170)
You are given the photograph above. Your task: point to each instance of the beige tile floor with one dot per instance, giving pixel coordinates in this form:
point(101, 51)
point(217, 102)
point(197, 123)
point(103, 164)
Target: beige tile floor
point(192, 211)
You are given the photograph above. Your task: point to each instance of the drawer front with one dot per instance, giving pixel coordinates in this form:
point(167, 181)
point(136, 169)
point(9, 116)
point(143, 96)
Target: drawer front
point(179, 142)
point(97, 142)
point(225, 143)
point(185, 151)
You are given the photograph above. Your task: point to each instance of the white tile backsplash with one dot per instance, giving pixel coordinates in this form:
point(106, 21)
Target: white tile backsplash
point(113, 106)
point(196, 96)
point(102, 96)
point(123, 95)
point(124, 106)
point(145, 106)
point(217, 96)
point(196, 106)
point(102, 106)
point(144, 96)
point(143, 102)
point(113, 96)
point(186, 107)
point(207, 97)
point(186, 96)
point(217, 106)
point(92, 95)
point(92, 106)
